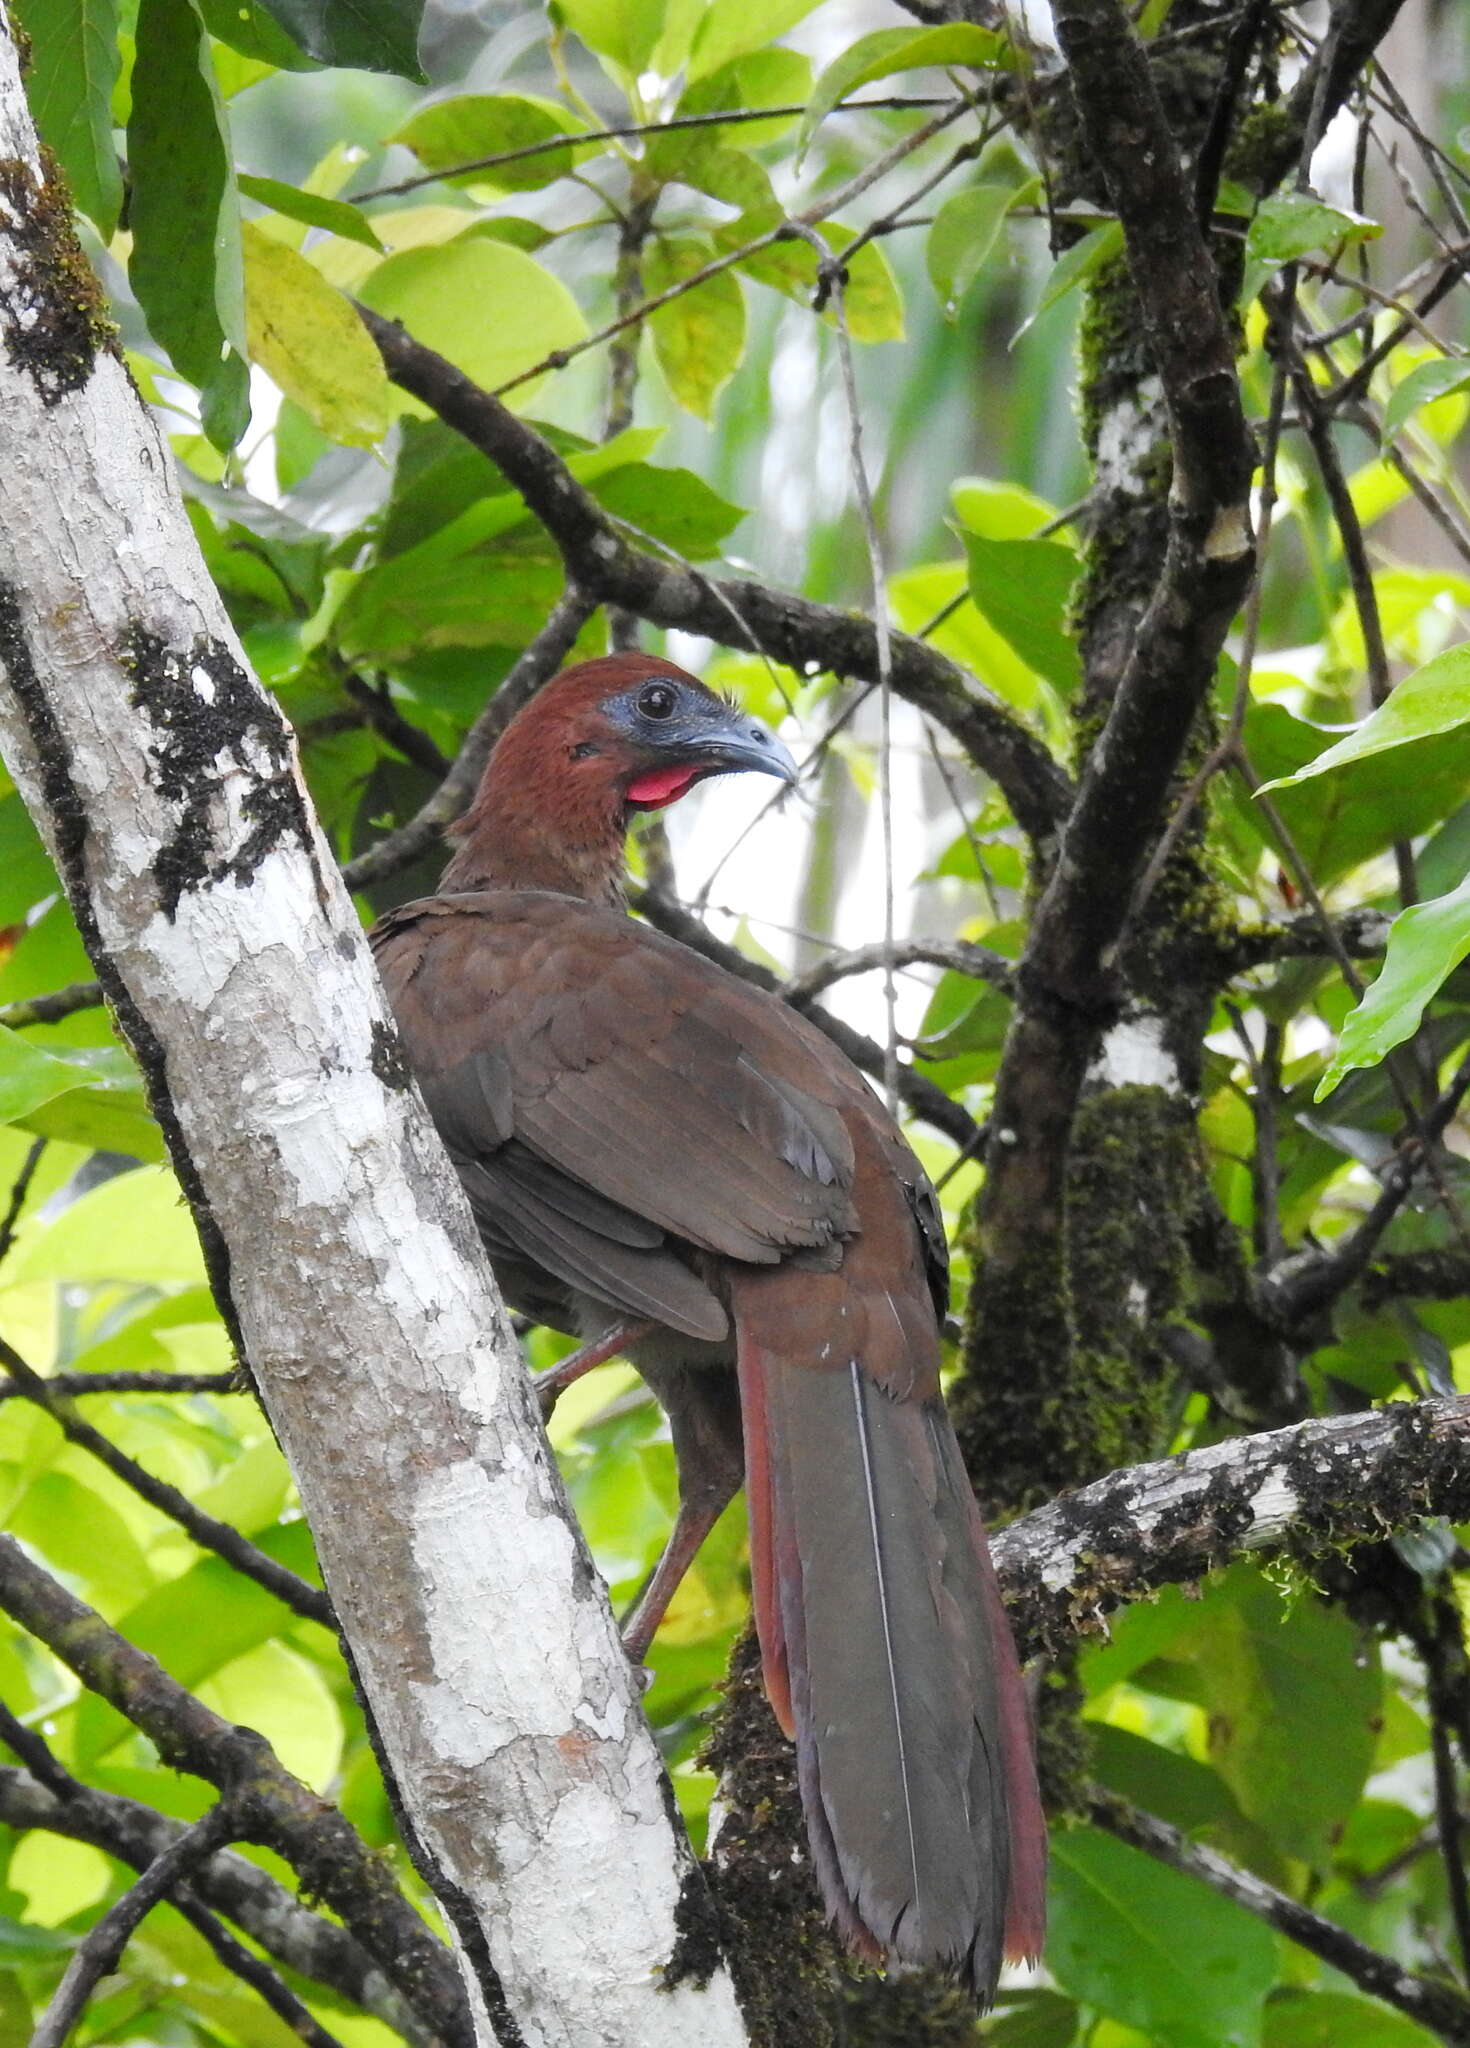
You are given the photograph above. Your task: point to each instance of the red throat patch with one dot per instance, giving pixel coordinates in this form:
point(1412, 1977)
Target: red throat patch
point(659, 787)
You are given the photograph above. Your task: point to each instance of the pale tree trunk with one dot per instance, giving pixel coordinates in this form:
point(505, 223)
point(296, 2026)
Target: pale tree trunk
point(340, 1247)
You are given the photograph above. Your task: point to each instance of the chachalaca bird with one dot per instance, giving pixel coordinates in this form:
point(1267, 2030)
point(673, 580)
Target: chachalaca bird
point(675, 1165)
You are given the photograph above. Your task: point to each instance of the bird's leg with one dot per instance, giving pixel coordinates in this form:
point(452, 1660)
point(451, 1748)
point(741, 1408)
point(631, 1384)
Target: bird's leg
point(704, 1421)
point(691, 1525)
point(553, 1383)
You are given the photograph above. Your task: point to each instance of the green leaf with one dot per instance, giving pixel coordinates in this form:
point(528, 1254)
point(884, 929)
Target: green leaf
point(83, 1535)
point(871, 296)
point(248, 28)
point(338, 216)
point(30, 1076)
point(74, 62)
point(730, 175)
point(1426, 944)
point(1341, 819)
point(1281, 1682)
point(186, 267)
point(441, 294)
point(1435, 699)
point(1296, 2018)
point(365, 35)
point(965, 231)
point(1294, 223)
point(700, 336)
point(275, 1690)
point(1098, 246)
point(109, 1112)
point(309, 340)
point(453, 132)
point(673, 505)
point(625, 31)
point(1183, 1791)
point(26, 873)
point(134, 1227)
point(1152, 1948)
point(735, 28)
point(761, 78)
point(999, 511)
point(1032, 2019)
point(900, 49)
point(1024, 587)
point(1425, 383)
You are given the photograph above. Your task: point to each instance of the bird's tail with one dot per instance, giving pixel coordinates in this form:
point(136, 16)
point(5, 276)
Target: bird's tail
point(888, 1657)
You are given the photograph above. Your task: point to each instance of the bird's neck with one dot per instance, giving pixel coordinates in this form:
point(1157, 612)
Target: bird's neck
point(511, 838)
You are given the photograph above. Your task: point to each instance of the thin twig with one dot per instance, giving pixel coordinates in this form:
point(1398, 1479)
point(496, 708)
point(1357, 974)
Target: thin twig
point(784, 231)
point(383, 717)
point(832, 280)
point(1451, 1843)
point(1304, 1283)
point(50, 1009)
point(206, 1530)
point(957, 955)
point(631, 130)
point(268, 1986)
point(68, 1385)
point(18, 1194)
point(1435, 2005)
point(96, 1956)
point(1355, 559)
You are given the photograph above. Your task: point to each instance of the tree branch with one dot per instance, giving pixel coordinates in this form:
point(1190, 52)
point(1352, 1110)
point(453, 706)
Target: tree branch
point(273, 1808)
point(340, 1248)
point(206, 1530)
point(227, 1883)
point(97, 1954)
point(1360, 934)
point(258, 1975)
point(1065, 980)
point(1210, 557)
point(50, 1009)
point(20, 1188)
point(1296, 1492)
point(68, 1385)
point(957, 956)
point(1437, 2006)
point(788, 628)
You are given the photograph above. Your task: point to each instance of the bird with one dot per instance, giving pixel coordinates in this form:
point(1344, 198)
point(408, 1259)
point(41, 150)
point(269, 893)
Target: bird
point(673, 1165)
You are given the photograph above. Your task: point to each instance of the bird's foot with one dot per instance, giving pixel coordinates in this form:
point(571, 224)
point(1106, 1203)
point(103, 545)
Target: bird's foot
point(552, 1384)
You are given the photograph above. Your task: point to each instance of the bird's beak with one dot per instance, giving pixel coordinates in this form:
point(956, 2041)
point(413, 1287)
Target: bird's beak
point(738, 741)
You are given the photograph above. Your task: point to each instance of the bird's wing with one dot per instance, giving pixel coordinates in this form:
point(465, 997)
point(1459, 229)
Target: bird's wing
point(603, 1089)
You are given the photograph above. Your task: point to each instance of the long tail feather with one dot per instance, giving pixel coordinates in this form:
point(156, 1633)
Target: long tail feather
point(881, 1624)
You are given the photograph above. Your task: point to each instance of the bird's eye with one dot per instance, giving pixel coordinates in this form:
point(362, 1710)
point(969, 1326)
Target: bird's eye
point(657, 700)
point(582, 749)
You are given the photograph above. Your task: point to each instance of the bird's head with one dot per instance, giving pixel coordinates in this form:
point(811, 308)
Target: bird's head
point(606, 740)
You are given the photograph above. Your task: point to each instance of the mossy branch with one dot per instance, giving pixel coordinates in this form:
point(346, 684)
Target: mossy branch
point(1301, 1492)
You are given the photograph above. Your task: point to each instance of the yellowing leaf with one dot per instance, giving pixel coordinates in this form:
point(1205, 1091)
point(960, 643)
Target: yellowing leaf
point(700, 336)
point(491, 309)
point(308, 339)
